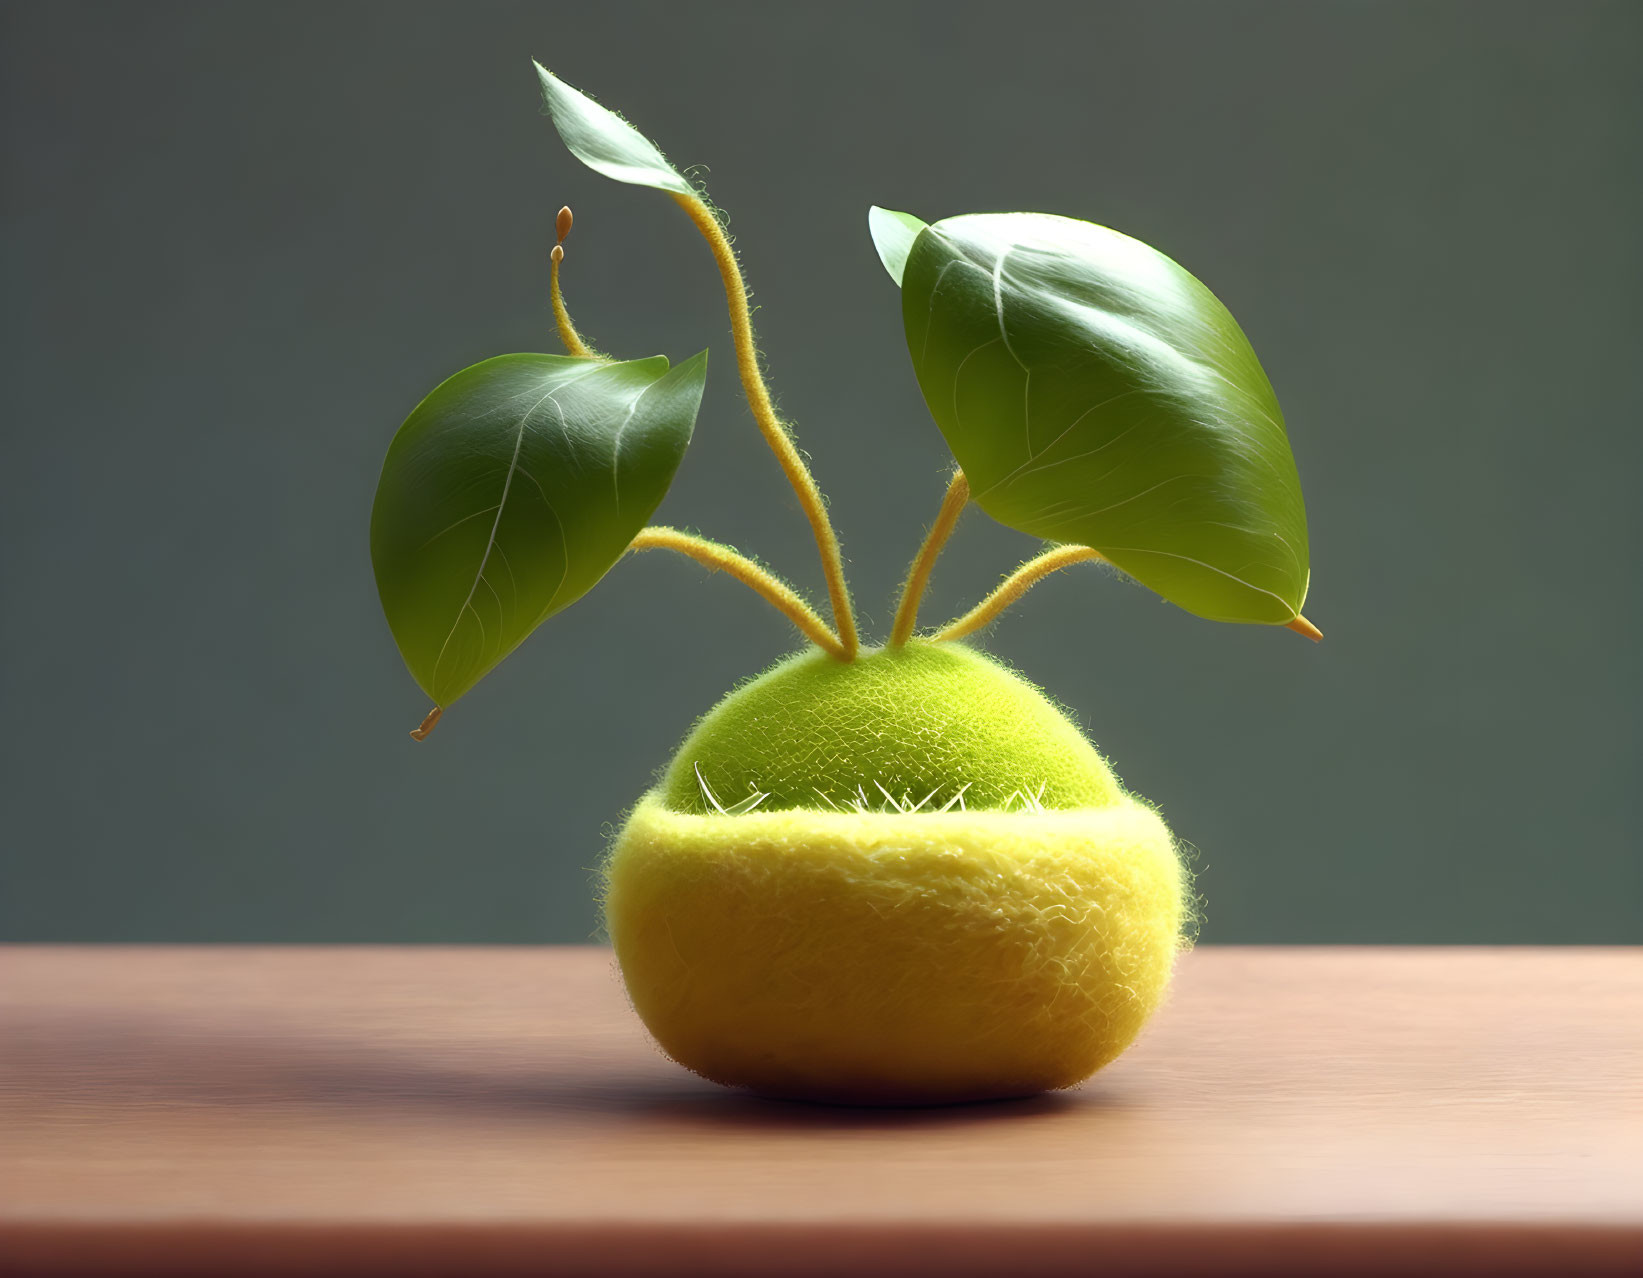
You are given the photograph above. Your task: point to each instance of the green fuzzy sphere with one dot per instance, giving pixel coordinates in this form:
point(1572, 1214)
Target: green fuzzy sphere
point(815, 732)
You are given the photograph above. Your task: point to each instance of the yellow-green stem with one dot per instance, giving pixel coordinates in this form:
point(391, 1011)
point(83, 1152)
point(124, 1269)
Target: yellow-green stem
point(561, 317)
point(1014, 586)
point(918, 575)
point(774, 432)
point(568, 335)
point(723, 559)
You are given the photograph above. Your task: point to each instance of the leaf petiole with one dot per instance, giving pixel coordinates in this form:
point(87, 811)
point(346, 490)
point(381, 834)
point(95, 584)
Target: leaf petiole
point(776, 592)
point(770, 426)
point(1014, 586)
point(918, 575)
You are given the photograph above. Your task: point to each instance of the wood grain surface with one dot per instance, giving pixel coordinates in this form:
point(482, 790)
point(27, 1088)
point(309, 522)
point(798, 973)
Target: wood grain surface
point(500, 1111)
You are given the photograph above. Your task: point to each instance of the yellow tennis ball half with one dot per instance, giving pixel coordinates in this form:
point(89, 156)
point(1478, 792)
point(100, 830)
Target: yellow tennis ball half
point(944, 895)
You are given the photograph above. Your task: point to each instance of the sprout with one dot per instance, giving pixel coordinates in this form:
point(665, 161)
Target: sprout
point(881, 874)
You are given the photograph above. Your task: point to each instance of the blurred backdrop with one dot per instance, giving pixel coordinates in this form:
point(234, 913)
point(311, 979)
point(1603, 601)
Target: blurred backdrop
point(240, 242)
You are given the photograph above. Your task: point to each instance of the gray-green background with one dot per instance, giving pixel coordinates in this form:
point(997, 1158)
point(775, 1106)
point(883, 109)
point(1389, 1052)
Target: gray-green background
point(240, 242)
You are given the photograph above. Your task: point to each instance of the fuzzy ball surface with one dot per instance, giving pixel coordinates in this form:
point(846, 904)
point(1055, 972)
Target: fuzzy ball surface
point(927, 719)
point(885, 956)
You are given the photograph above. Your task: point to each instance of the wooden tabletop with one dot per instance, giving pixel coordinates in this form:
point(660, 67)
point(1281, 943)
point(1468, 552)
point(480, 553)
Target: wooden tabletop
point(480, 1111)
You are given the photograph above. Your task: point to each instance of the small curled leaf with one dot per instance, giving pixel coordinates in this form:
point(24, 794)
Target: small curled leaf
point(1096, 393)
point(604, 141)
point(893, 235)
point(510, 491)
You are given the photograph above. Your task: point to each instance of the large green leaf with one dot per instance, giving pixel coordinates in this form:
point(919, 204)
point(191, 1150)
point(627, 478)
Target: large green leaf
point(893, 235)
point(510, 491)
point(604, 141)
point(1094, 392)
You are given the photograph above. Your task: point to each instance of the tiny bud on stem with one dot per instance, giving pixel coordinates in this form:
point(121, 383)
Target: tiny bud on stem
point(558, 254)
point(562, 223)
point(421, 732)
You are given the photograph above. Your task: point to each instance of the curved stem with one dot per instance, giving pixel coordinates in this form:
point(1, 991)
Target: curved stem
point(774, 432)
point(723, 559)
point(1014, 586)
point(561, 317)
point(918, 575)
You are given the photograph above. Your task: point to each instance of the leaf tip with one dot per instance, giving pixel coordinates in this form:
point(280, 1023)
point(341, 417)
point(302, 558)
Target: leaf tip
point(429, 722)
point(892, 234)
point(1302, 626)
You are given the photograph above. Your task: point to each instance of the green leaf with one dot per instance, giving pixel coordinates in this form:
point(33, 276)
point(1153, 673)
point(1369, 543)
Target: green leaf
point(510, 491)
point(1094, 392)
point(893, 235)
point(604, 141)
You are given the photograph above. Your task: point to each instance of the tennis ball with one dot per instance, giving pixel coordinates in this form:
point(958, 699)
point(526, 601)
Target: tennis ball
point(846, 942)
point(818, 732)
